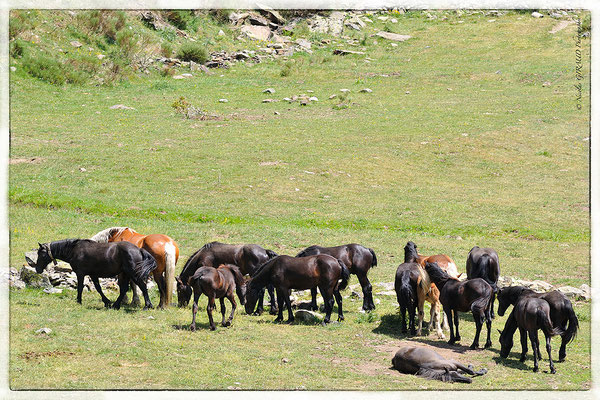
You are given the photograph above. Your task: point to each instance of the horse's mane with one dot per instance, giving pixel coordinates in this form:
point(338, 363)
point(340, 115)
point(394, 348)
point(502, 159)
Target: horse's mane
point(104, 235)
point(436, 274)
point(260, 277)
point(410, 252)
point(307, 251)
point(62, 249)
point(237, 275)
point(514, 292)
point(209, 245)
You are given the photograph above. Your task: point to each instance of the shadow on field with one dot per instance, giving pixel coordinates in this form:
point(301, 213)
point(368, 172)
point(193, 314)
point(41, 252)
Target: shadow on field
point(186, 327)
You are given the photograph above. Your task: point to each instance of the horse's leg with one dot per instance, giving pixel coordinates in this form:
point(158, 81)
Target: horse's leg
point(411, 318)
point(438, 315)
point(469, 369)
point(162, 288)
point(533, 336)
point(478, 317)
point(274, 309)
point(80, 278)
point(105, 299)
point(549, 350)
point(231, 298)
point(222, 303)
point(457, 336)
point(313, 300)
point(420, 311)
point(280, 300)
point(523, 334)
point(123, 287)
point(488, 324)
point(209, 309)
point(448, 314)
point(260, 308)
point(147, 302)
point(328, 298)
point(562, 353)
point(492, 305)
point(367, 290)
point(197, 293)
point(338, 300)
point(135, 297)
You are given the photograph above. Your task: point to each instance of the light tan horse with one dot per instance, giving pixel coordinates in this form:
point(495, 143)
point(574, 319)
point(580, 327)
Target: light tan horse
point(432, 296)
point(163, 248)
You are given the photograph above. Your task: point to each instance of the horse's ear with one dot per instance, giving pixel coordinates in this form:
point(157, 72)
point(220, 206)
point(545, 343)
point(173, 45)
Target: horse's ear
point(41, 246)
point(499, 331)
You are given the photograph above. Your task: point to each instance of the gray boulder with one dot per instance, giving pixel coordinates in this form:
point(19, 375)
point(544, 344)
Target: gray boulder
point(308, 316)
point(33, 279)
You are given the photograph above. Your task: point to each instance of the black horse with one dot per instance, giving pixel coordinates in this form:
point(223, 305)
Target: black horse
point(301, 273)
point(427, 363)
point(483, 263)
point(358, 259)
point(100, 260)
point(247, 257)
point(218, 283)
point(530, 314)
point(472, 295)
point(561, 311)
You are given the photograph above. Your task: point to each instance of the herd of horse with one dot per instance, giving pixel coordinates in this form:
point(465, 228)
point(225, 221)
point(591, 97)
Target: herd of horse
point(221, 271)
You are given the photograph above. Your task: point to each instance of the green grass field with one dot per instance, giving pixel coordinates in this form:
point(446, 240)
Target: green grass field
point(471, 136)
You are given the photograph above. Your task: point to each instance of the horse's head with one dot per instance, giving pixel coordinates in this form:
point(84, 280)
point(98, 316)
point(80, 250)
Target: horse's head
point(506, 342)
point(410, 252)
point(503, 302)
point(251, 296)
point(241, 291)
point(184, 293)
point(44, 257)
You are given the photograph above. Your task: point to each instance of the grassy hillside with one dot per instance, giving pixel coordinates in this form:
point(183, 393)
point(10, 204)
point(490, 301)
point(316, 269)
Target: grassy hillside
point(471, 135)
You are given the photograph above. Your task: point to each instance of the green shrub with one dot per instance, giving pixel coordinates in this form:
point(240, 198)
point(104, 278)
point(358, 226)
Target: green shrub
point(17, 48)
point(180, 18)
point(166, 49)
point(45, 68)
point(193, 52)
point(126, 41)
point(221, 16)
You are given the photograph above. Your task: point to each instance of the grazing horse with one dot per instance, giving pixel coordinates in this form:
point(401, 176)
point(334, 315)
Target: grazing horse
point(100, 260)
point(218, 283)
point(561, 311)
point(247, 257)
point(483, 263)
point(472, 295)
point(425, 362)
point(358, 259)
point(433, 295)
point(301, 273)
point(529, 315)
point(163, 249)
point(412, 285)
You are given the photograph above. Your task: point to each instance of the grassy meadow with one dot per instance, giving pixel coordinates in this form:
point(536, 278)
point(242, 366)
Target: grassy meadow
point(471, 136)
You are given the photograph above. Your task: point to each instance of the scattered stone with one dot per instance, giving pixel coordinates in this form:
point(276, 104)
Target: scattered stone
point(303, 43)
point(308, 316)
point(333, 24)
point(393, 36)
point(344, 90)
point(33, 279)
point(536, 14)
point(121, 107)
point(285, 360)
point(221, 33)
point(223, 101)
point(52, 290)
point(13, 69)
point(287, 99)
point(343, 52)
point(256, 32)
point(178, 77)
point(366, 90)
point(407, 92)
point(333, 96)
point(100, 56)
point(560, 26)
point(187, 75)
point(268, 100)
point(276, 113)
point(385, 285)
point(269, 90)
point(44, 331)
point(574, 293)
point(394, 21)
point(76, 44)
point(394, 44)
point(313, 98)
point(386, 293)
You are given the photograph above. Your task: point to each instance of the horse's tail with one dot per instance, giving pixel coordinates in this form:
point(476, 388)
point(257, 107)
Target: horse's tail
point(374, 262)
point(483, 303)
point(170, 260)
point(309, 251)
point(271, 254)
point(425, 281)
point(143, 268)
point(407, 294)
point(345, 276)
point(571, 330)
point(543, 321)
point(484, 264)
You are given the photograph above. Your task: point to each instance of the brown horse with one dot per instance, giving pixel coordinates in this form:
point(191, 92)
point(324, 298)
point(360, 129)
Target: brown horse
point(358, 259)
point(433, 296)
point(218, 283)
point(163, 249)
point(483, 263)
point(301, 273)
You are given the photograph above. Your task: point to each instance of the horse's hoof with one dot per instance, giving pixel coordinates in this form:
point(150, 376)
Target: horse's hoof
point(522, 359)
point(107, 305)
point(473, 347)
point(192, 327)
point(256, 313)
point(552, 371)
point(146, 308)
point(227, 323)
point(290, 321)
point(273, 311)
point(278, 320)
point(340, 318)
point(535, 369)
point(487, 344)
point(212, 328)
point(561, 360)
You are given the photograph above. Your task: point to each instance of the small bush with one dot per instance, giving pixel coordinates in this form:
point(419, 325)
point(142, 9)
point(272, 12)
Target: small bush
point(221, 16)
point(180, 18)
point(45, 68)
point(286, 70)
point(193, 52)
point(166, 49)
point(17, 48)
point(126, 41)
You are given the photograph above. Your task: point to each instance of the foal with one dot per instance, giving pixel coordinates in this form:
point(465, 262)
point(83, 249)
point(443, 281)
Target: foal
point(218, 283)
point(529, 315)
point(473, 295)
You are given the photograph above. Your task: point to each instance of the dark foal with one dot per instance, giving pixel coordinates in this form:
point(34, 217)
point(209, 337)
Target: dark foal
point(425, 362)
point(301, 273)
point(358, 259)
point(247, 257)
point(100, 260)
point(529, 315)
point(217, 283)
point(483, 263)
point(472, 295)
point(561, 311)
point(409, 281)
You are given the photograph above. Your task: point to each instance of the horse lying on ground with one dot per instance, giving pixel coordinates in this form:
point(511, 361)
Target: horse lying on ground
point(412, 285)
point(247, 257)
point(163, 249)
point(218, 283)
point(301, 273)
point(529, 315)
point(472, 295)
point(561, 311)
point(358, 259)
point(427, 363)
point(433, 294)
point(100, 260)
point(483, 263)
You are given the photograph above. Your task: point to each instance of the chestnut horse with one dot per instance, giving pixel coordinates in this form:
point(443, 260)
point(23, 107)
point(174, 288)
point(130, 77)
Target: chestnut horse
point(448, 266)
point(163, 249)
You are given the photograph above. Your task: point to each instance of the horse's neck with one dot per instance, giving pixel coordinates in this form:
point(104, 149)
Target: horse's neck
point(191, 266)
point(62, 249)
point(261, 279)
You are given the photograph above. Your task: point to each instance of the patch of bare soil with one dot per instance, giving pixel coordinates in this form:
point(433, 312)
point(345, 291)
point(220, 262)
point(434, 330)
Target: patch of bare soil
point(33, 160)
point(32, 355)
